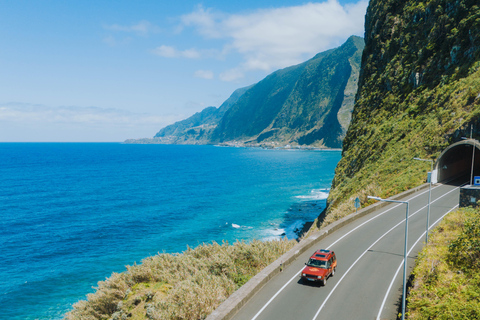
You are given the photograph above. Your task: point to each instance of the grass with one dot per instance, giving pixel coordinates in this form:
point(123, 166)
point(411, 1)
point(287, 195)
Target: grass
point(189, 285)
point(447, 276)
point(379, 162)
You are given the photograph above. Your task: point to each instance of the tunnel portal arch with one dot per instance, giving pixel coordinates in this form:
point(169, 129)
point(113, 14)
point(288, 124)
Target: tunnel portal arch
point(456, 161)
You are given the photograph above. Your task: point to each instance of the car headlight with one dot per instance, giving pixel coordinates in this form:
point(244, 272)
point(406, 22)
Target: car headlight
point(319, 277)
point(304, 274)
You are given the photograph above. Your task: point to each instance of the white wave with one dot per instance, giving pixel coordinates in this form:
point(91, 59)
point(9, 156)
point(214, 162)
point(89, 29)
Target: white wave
point(291, 232)
point(273, 234)
point(236, 226)
point(315, 194)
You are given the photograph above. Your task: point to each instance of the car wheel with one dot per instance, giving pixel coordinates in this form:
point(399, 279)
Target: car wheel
point(324, 282)
point(333, 271)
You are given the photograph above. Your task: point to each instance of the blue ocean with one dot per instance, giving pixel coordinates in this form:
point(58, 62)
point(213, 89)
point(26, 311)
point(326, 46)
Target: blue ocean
point(73, 213)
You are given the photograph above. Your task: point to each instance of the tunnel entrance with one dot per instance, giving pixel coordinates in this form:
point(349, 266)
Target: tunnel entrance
point(455, 162)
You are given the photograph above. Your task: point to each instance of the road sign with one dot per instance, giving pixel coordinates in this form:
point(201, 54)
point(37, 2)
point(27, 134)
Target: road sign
point(357, 204)
point(476, 181)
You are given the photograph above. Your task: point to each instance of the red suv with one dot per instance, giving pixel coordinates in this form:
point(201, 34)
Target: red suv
point(320, 266)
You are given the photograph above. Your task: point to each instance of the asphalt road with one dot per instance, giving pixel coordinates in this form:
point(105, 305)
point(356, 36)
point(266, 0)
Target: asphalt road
point(368, 281)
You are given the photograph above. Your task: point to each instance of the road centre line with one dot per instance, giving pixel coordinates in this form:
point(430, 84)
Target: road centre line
point(296, 274)
point(401, 264)
point(358, 259)
point(352, 265)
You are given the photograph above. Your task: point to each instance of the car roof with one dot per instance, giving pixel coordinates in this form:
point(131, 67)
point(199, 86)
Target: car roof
point(322, 254)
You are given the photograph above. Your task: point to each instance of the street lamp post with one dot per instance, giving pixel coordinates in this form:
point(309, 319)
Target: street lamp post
point(429, 196)
point(405, 250)
point(473, 153)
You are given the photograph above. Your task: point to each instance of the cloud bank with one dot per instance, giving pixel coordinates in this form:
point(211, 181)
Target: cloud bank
point(269, 39)
point(71, 123)
point(172, 52)
point(142, 28)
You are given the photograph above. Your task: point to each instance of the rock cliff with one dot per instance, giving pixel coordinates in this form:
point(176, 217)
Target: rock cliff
point(419, 91)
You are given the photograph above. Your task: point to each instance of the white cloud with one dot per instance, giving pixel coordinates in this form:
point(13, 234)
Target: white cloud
point(171, 52)
point(142, 28)
point(232, 75)
point(113, 42)
point(276, 38)
point(204, 74)
point(205, 20)
point(165, 51)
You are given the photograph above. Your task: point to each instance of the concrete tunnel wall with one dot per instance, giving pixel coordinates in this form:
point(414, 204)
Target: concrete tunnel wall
point(456, 161)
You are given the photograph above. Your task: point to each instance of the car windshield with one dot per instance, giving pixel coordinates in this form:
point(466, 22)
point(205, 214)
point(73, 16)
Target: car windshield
point(317, 263)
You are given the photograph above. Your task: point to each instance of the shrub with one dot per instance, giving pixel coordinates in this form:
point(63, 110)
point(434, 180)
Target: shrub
point(446, 276)
point(179, 286)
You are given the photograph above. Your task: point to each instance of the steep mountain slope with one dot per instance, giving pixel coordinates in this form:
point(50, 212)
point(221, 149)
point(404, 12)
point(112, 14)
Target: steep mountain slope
point(307, 104)
point(197, 129)
point(419, 91)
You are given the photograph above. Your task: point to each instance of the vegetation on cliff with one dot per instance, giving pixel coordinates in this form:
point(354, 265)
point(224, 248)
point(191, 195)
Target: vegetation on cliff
point(419, 91)
point(306, 104)
point(301, 105)
point(447, 275)
point(179, 286)
point(198, 128)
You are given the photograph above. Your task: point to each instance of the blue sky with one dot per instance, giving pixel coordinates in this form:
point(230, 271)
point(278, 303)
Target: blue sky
point(113, 70)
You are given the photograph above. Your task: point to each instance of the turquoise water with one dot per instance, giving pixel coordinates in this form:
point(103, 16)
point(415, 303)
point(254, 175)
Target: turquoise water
point(73, 213)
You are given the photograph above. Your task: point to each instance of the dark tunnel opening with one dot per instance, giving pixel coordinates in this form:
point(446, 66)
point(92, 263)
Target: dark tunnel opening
point(455, 162)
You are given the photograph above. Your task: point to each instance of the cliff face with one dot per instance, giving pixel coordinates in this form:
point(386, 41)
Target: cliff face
point(198, 128)
point(419, 91)
point(307, 104)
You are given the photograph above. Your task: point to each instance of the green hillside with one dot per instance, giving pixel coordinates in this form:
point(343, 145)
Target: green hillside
point(198, 128)
point(446, 274)
point(307, 104)
point(419, 91)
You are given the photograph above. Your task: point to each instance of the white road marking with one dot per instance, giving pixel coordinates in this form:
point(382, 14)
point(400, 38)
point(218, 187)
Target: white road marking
point(346, 234)
point(276, 294)
point(345, 274)
point(342, 237)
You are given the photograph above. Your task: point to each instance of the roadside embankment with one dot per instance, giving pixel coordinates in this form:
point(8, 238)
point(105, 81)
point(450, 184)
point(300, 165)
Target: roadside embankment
point(447, 272)
point(189, 285)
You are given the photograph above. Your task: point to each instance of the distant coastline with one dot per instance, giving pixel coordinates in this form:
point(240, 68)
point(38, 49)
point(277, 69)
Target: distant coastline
point(270, 145)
